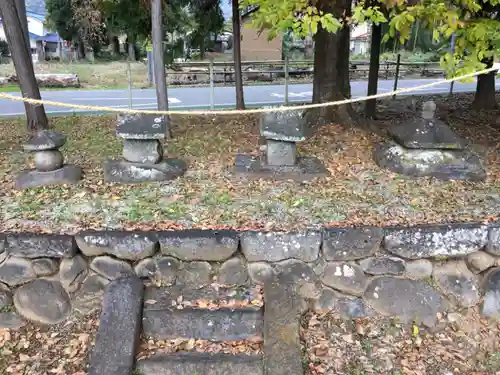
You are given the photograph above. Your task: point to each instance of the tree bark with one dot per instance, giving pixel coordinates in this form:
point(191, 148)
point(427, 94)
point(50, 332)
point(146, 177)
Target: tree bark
point(37, 119)
point(131, 48)
point(202, 49)
point(80, 45)
point(331, 71)
point(159, 58)
point(371, 105)
point(40, 51)
point(115, 45)
point(238, 78)
point(21, 12)
point(485, 90)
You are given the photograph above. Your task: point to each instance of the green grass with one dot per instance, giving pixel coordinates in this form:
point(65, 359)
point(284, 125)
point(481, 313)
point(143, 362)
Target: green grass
point(492, 363)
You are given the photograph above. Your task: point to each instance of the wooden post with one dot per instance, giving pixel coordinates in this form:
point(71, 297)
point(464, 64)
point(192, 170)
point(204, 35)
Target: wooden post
point(287, 71)
point(211, 78)
point(159, 58)
point(37, 119)
point(129, 81)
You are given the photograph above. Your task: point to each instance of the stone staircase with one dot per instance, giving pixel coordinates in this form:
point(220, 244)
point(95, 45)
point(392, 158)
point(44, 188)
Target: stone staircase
point(209, 313)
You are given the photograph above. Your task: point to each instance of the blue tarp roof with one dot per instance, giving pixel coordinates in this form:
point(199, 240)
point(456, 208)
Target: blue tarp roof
point(49, 37)
point(37, 16)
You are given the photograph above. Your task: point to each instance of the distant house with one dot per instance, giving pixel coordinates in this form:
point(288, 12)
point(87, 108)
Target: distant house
point(360, 39)
point(254, 44)
point(41, 39)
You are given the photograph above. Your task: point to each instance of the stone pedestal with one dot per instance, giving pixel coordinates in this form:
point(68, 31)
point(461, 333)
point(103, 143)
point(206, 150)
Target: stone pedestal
point(427, 147)
point(49, 163)
point(282, 131)
point(142, 152)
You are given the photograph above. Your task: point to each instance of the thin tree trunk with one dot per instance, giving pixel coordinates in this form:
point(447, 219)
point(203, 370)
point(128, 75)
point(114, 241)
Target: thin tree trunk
point(37, 119)
point(131, 48)
point(116, 45)
point(371, 105)
point(202, 49)
point(21, 12)
point(238, 78)
point(80, 45)
point(159, 57)
point(485, 90)
point(40, 51)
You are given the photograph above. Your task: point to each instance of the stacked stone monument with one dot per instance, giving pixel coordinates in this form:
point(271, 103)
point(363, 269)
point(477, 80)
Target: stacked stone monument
point(427, 146)
point(282, 131)
point(49, 163)
point(142, 152)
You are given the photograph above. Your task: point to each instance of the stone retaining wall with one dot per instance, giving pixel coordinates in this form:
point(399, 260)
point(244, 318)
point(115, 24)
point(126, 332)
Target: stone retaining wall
point(356, 271)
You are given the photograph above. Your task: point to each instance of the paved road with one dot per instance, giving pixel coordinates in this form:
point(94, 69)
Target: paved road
point(199, 97)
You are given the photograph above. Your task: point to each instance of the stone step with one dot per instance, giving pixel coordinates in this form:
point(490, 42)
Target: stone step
point(224, 324)
point(209, 313)
point(200, 363)
point(163, 298)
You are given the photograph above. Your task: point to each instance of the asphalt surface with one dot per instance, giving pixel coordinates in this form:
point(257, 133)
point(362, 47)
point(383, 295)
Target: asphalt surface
point(188, 98)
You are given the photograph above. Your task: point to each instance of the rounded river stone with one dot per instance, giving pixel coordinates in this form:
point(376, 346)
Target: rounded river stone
point(43, 301)
point(46, 161)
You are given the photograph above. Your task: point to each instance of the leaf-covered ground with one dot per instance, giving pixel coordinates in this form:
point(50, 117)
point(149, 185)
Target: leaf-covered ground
point(462, 343)
point(63, 349)
point(357, 192)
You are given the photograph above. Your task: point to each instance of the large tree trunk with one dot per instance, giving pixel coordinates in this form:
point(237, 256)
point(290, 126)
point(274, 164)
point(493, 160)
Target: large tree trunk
point(485, 90)
point(159, 57)
point(21, 13)
point(331, 71)
point(238, 78)
point(37, 119)
point(371, 105)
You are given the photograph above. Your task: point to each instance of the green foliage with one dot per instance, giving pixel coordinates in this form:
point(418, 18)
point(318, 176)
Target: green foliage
point(127, 17)
point(476, 25)
point(305, 18)
point(60, 17)
point(206, 20)
point(4, 48)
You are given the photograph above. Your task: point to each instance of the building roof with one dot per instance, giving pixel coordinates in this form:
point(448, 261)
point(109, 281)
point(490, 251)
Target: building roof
point(39, 17)
point(49, 37)
point(248, 10)
point(361, 36)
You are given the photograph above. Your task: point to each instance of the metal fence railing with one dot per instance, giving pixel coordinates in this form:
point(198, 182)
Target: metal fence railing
point(212, 73)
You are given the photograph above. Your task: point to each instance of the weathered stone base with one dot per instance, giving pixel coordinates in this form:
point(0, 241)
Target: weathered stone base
point(131, 173)
point(68, 174)
point(440, 164)
point(307, 168)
